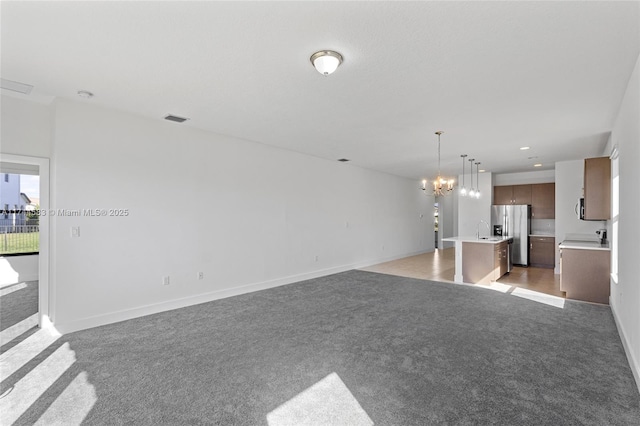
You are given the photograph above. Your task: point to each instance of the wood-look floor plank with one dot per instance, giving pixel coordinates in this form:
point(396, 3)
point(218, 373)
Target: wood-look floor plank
point(439, 265)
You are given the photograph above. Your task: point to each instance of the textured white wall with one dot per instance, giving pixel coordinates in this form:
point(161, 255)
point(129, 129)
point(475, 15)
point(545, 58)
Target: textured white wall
point(524, 178)
point(253, 216)
point(26, 127)
point(625, 294)
point(471, 210)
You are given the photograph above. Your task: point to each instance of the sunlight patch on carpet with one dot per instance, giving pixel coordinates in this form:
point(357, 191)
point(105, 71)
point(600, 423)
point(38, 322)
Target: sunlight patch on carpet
point(18, 329)
point(73, 404)
point(10, 289)
point(328, 402)
point(35, 383)
point(536, 296)
point(494, 285)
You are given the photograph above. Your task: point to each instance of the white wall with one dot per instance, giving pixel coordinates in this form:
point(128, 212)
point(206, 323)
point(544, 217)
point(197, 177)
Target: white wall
point(447, 218)
point(262, 217)
point(625, 294)
point(524, 178)
point(26, 127)
point(471, 210)
point(569, 184)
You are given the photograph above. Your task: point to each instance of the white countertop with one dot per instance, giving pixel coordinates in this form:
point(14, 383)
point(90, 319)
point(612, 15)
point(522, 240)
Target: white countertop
point(485, 240)
point(583, 245)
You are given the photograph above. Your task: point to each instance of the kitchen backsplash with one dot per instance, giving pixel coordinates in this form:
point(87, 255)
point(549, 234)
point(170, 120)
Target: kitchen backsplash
point(543, 226)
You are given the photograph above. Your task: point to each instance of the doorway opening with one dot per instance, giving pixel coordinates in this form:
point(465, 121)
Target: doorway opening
point(24, 247)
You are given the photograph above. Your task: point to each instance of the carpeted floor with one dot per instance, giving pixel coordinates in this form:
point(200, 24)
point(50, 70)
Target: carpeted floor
point(18, 304)
point(406, 351)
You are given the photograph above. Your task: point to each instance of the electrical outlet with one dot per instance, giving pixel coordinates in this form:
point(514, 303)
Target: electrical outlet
point(200, 275)
point(75, 231)
point(165, 280)
point(316, 258)
point(383, 247)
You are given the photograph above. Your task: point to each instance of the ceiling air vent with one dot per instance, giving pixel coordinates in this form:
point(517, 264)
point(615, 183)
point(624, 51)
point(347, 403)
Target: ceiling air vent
point(16, 86)
point(175, 118)
point(343, 160)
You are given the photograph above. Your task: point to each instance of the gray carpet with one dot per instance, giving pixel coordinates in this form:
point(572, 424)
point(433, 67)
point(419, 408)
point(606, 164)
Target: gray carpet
point(17, 306)
point(411, 352)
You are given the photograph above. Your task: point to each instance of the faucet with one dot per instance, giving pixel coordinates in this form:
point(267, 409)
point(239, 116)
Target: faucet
point(478, 228)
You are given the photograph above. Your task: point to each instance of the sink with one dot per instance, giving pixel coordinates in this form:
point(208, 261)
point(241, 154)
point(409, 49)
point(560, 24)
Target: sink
point(490, 238)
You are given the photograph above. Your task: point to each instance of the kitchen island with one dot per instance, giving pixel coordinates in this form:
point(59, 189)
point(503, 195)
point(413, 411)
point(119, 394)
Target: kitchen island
point(480, 260)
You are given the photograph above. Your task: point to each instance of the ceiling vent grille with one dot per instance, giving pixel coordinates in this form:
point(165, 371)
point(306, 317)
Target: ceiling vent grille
point(175, 118)
point(16, 86)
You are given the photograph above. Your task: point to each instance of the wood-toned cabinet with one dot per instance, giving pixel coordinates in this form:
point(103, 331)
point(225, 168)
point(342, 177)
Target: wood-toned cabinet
point(597, 188)
point(542, 252)
point(543, 201)
point(501, 259)
point(585, 274)
point(502, 195)
point(512, 194)
point(483, 263)
point(540, 196)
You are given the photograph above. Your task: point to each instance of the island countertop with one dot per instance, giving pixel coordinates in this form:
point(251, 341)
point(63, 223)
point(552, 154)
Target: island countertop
point(584, 245)
point(485, 240)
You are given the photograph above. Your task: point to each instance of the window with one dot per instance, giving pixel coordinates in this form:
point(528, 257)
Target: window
point(615, 212)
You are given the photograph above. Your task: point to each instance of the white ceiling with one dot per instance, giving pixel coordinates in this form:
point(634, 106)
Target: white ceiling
point(494, 76)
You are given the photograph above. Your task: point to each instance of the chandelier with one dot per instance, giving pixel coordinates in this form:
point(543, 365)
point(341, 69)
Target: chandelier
point(441, 186)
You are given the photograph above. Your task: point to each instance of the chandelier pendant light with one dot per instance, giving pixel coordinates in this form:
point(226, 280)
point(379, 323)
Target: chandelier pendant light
point(477, 180)
point(441, 186)
point(463, 190)
point(472, 192)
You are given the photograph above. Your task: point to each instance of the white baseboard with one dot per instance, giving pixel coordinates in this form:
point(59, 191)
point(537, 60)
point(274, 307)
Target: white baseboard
point(127, 314)
point(633, 361)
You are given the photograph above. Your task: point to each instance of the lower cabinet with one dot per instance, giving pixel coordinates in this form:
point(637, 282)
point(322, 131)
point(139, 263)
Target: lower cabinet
point(584, 274)
point(542, 252)
point(483, 263)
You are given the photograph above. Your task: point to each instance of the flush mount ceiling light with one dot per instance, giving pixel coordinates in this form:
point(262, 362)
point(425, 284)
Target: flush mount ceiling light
point(85, 94)
point(524, 148)
point(326, 61)
point(537, 165)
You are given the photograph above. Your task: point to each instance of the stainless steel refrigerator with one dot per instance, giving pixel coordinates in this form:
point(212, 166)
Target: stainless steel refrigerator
point(513, 221)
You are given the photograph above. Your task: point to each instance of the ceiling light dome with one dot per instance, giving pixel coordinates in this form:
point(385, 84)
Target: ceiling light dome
point(326, 61)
